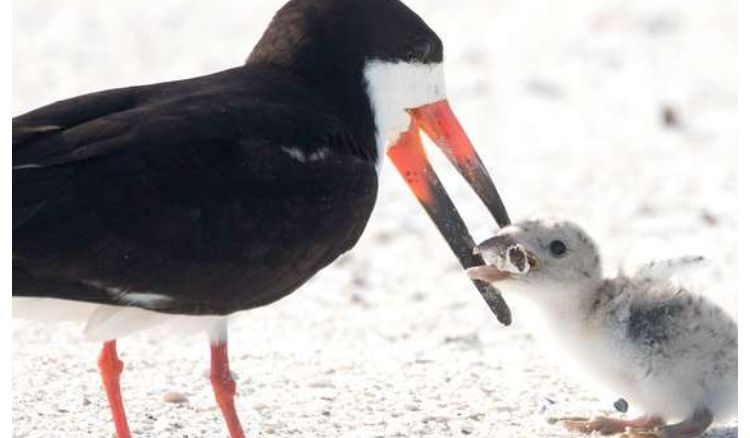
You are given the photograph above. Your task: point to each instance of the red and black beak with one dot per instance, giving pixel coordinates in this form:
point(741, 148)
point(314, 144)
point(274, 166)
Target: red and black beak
point(408, 155)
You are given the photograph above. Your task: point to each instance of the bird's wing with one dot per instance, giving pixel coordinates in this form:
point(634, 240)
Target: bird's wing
point(64, 132)
point(662, 271)
point(38, 136)
point(182, 198)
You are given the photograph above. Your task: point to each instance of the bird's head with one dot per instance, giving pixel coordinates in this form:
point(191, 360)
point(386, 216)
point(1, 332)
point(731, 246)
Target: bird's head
point(383, 67)
point(545, 257)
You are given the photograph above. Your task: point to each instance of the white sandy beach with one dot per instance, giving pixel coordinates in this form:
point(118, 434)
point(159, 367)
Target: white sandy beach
point(565, 102)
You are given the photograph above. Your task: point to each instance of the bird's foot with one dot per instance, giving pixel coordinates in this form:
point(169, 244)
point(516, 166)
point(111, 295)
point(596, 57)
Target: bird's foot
point(692, 427)
point(601, 425)
point(608, 426)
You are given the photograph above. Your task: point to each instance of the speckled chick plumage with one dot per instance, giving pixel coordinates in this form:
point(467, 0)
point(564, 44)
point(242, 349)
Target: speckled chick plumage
point(642, 337)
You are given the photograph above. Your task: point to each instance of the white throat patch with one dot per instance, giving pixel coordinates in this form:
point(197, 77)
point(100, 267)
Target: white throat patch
point(394, 87)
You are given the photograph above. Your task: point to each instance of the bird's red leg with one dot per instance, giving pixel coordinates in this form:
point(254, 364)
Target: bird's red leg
point(692, 427)
point(224, 387)
point(606, 426)
point(110, 367)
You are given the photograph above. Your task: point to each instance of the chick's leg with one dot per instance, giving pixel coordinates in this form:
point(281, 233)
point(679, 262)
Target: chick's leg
point(606, 426)
point(692, 427)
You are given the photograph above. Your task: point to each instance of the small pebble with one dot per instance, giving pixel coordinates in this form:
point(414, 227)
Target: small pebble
point(174, 397)
point(260, 406)
point(621, 405)
point(669, 117)
point(545, 404)
point(709, 217)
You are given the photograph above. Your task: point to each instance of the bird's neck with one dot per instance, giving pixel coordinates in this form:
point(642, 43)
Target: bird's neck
point(559, 310)
point(346, 96)
point(302, 42)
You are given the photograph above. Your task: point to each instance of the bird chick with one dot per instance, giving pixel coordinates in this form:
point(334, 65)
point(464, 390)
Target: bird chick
point(671, 354)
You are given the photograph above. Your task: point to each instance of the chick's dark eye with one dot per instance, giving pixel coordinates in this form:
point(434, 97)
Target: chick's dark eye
point(557, 248)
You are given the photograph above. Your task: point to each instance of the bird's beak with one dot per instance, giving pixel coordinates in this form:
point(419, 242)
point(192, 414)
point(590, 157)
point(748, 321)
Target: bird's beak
point(487, 273)
point(408, 155)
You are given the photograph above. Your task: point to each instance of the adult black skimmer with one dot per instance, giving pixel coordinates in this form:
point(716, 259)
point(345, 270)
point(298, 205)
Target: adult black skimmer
point(203, 197)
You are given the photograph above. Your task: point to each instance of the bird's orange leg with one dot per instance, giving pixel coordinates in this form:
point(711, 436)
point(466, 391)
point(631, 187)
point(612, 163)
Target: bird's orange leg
point(110, 367)
point(692, 427)
point(224, 387)
point(606, 426)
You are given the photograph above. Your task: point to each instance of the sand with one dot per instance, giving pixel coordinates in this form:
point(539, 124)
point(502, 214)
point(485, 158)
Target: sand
point(621, 115)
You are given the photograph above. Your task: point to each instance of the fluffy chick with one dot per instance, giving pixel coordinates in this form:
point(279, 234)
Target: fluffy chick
point(671, 354)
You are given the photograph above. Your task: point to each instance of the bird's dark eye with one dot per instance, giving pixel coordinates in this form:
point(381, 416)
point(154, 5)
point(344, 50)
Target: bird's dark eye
point(421, 49)
point(557, 248)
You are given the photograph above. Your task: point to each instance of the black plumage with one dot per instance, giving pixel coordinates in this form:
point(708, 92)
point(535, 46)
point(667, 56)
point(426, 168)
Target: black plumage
point(222, 192)
point(186, 189)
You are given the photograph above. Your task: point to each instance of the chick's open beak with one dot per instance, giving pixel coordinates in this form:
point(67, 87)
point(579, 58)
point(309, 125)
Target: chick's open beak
point(408, 155)
point(505, 258)
point(487, 273)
